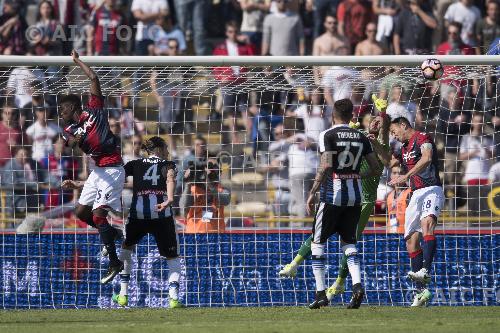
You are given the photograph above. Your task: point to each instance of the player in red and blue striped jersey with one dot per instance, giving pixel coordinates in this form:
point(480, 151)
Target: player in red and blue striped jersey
point(419, 161)
point(88, 129)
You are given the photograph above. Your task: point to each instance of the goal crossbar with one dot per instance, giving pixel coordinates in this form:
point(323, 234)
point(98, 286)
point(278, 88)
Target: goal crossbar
point(150, 61)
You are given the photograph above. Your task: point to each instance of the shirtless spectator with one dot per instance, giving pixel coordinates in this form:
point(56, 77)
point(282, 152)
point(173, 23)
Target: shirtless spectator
point(328, 43)
point(370, 46)
point(331, 40)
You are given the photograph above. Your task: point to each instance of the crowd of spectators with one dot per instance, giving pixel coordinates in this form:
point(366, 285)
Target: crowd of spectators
point(281, 127)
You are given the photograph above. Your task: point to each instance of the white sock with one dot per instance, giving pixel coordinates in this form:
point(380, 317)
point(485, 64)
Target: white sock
point(318, 264)
point(124, 285)
point(174, 274)
point(126, 257)
point(353, 262)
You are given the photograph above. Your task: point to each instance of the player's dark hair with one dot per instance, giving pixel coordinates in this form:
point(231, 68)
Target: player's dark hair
point(71, 99)
point(400, 121)
point(152, 143)
point(343, 109)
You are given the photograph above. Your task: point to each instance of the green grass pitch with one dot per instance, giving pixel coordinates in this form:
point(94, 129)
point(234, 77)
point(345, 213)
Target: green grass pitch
point(265, 319)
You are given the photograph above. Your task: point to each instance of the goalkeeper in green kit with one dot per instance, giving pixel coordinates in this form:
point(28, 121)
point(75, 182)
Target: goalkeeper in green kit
point(378, 133)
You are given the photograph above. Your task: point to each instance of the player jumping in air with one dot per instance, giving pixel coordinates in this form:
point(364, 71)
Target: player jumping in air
point(419, 161)
point(151, 212)
point(339, 178)
point(379, 130)
point(88, 129)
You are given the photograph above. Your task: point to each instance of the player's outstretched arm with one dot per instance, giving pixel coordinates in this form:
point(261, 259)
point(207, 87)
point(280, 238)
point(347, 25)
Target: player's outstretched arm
point(95, 86)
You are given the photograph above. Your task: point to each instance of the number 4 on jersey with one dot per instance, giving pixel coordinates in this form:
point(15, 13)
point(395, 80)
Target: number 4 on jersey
point(152, 174)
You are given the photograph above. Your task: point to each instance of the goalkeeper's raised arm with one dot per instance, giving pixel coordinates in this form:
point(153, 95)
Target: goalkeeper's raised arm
point(378, 131)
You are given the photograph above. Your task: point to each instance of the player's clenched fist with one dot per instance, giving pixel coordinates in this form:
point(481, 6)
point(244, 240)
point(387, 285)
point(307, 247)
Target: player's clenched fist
point(75, 55)
point(161, 207)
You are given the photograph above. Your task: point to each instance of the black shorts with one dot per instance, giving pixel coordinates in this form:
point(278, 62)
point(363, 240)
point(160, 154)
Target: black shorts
point(163, 230)
point(330, 219)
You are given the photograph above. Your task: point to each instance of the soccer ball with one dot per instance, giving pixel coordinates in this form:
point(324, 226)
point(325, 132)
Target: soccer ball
point(432, 69)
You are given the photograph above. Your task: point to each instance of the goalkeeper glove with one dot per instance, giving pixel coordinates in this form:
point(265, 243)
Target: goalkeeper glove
point(354, 125)
point(380, 104)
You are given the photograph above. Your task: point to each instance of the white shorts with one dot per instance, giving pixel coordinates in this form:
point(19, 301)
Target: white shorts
point(103, 189)
point(424, 202)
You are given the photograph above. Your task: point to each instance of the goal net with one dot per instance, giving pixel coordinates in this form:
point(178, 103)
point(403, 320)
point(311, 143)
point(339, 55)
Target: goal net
point(250, 126)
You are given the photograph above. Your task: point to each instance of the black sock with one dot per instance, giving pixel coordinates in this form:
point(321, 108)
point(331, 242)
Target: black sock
point(429, 251)
point(107, 233)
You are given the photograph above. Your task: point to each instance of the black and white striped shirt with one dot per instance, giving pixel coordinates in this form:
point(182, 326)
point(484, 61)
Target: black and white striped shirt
point(149, 187)
point(346, 148)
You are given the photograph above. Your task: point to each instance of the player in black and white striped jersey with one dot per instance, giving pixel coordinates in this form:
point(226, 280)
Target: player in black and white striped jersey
point(151, 213)
point(339, 179)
